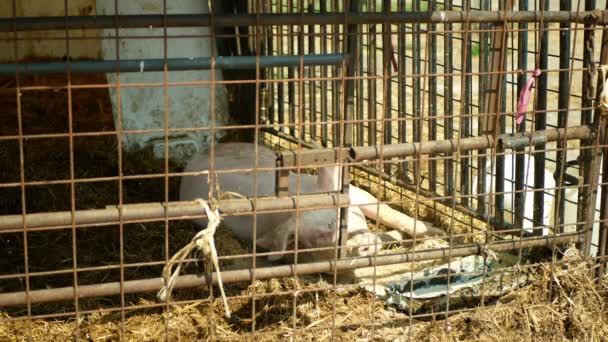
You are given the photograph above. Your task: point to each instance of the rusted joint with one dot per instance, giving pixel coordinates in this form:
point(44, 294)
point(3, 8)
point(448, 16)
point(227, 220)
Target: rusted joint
point(595, 16)
point(313, 157)
point(287, 160)
point(566, 178)
point(485, 251)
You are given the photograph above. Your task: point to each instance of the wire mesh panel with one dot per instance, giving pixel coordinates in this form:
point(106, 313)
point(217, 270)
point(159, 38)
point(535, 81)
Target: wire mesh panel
point(307, 170)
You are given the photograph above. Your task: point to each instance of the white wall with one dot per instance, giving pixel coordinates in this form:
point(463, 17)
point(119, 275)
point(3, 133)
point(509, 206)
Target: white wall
point(88, 48)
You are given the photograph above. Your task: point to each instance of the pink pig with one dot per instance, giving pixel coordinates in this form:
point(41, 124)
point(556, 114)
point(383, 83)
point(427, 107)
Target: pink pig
point(274, 231)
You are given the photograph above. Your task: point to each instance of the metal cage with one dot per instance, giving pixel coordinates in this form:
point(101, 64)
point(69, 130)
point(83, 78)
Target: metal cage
point(426, 105)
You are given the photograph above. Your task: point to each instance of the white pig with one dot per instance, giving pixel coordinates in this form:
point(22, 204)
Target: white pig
point(571, 208)
point(365, 204)
point(274, 231)
point(549, 205)
point(509, 189)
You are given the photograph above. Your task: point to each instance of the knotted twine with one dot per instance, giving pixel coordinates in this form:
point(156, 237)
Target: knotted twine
point(202, 241)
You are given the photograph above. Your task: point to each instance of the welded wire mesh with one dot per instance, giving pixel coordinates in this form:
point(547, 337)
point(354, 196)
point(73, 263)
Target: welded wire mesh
point(415, 102)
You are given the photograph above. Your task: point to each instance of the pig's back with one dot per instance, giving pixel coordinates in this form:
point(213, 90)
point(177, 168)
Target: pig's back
point(230, 156)
point(234, 156)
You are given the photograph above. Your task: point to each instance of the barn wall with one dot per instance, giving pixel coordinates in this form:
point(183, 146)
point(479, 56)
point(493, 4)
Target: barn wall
point(45, 48)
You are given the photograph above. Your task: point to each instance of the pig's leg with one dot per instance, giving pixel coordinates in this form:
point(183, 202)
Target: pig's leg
point(276, 239)
point(328, 181)
point(386, 215)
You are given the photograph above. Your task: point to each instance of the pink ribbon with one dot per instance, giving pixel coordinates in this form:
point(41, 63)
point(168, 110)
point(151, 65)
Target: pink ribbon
point(524, 97)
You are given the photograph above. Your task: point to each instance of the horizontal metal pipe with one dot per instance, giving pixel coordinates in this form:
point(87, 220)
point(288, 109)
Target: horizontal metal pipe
point(429, 194)
point(173, 64)
point(599, 17)
point(150, 285)
point(521, 140)
point(469, 144)
point(175, 210)
point(426, 193)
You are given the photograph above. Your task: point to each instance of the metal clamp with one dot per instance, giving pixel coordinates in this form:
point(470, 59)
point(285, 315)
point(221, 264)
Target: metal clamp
point(568, 179)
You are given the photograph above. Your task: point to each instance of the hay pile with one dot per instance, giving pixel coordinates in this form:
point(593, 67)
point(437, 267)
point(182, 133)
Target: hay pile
point(562, 303)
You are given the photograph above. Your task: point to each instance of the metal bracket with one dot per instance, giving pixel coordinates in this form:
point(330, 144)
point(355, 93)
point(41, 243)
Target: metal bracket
point(281, 178)
point(287, 160)
point(313, 157)
point(568, 179)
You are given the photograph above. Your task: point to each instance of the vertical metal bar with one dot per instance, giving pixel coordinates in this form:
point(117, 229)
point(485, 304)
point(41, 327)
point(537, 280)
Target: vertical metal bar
point(589, 66)
point(417, 100)
point(371, 81)
point(432, 96)
point(540, 123)
point(501, 107)
point(291, 91)
point(305, 115)
point(499, 186)
point(350, 40)
point(72, 182)
point(312, 70)
point(336, 105)
point(324, 84)
point(23, 193)
point(268, 100)
point(490, 122)
point(591, 168)
point(166, 155)
point(484, 87)
point(281, 72)
point(587, 117)
point(257, 10)
point(563, 102)
point(467, 110)
point(520, 170)
point(119, 140)
point(602, 249)
point(448, 106)
point(359, 111)
point(387, 81)
point(402, 89)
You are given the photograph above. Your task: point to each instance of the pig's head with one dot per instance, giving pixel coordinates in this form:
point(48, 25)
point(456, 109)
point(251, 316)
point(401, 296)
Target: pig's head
point(316, 228)
point(319, 228)
point(363, 244)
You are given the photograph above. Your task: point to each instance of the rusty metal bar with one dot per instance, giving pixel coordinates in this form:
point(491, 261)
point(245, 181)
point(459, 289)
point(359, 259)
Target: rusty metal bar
point(155, 284)
point(591, 173)
point(491, 94)
point(491, 124)
point(508, 141)
point(473, 212)
point(345, 128)
point(552, 135)
point(173, 64)
point(198, 20)
point(519, 140)
point(312, 157)
point(175, 210)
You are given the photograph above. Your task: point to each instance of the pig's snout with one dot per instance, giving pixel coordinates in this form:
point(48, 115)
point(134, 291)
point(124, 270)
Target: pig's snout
point(364, 244)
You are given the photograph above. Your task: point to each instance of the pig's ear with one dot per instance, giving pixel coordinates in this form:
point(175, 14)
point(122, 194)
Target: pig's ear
point(324, 237)
point(329, 178)
point(274, 241)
